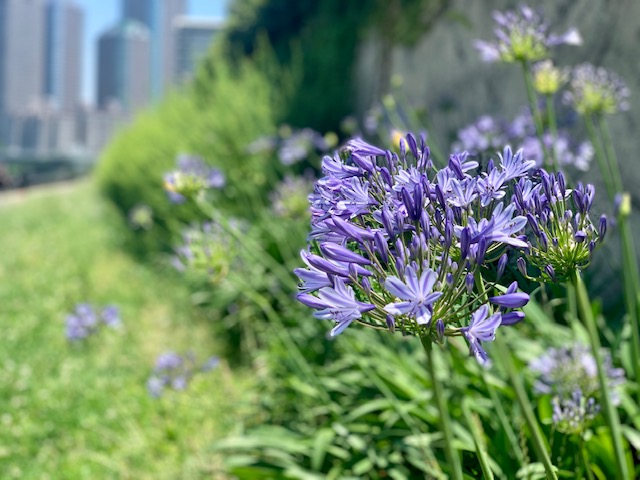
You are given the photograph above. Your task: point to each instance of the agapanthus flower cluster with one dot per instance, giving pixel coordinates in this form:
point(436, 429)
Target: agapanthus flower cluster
point(293, 146)
point(207, 248)
point(569, 375)
point(191, 178)
point(547, 78)
point(487, 135)
point(400, 245)
point(141, 217)
point(86, 320)
point(522, 36)
point(289, 199)
point(562, 236)
point(175, 371)
point(596, 91)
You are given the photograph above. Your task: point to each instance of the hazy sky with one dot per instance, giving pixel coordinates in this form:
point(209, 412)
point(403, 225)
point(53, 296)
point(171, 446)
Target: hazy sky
point(102, 14)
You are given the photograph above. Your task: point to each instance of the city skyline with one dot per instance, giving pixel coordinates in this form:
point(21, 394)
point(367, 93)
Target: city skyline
point(67, 86)
point(104, 14)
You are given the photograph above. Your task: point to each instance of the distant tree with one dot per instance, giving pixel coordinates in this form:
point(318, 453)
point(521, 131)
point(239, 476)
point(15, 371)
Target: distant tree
point(323, 37)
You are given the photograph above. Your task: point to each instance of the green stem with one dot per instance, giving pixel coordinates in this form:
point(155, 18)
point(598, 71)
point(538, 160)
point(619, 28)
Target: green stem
point(631, 276)
point(452, 455)
point(553, 129)
point(572, 306)
point(631, 290)
point(611, 154)
point(540, 446)
point(610, 411)
point(605, 172)
point(535, 112)
point(585, 460)
point(476, 432)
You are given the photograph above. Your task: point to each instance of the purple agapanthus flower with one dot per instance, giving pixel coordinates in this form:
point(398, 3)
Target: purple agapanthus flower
point(522, 36)
point(397, 242)
point(482, 328)
point(596, 91)
point(514, 165)
point(490, 187)
point(191, 178)
point(338, 303)
point(416, 294)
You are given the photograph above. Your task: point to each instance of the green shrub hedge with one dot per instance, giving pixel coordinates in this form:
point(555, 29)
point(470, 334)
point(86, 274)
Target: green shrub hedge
point(232, 107)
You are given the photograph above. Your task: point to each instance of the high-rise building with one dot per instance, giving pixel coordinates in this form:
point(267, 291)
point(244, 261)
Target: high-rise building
point(63, 50)
point(192, 39)
point(123, 66)
point(158, 16)
point(21, 54)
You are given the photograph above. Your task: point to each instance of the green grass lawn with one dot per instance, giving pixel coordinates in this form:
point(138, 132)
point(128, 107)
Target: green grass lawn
point(72, 411)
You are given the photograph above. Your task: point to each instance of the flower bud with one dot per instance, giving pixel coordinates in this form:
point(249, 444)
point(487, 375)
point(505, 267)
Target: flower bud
point(391, 323)
point(502, 264)
point(602, 228)
point(469, 282)
point(522, 266)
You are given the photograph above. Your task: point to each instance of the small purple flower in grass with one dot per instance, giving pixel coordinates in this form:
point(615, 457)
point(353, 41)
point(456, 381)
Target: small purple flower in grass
point(482, 328)
point(168, 361)
point(210, 364)
point(416, 293)
point(85, 320)
point(175, 371)
point(111, 315)
point(155, 386)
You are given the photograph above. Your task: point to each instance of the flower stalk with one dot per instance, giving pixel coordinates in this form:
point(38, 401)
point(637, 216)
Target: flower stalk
point(610, 411)
point(453, 458)
point(537, 115)
point(607, 162)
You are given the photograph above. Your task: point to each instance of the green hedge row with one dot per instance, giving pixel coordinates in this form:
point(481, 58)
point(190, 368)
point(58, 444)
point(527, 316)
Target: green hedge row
point(232, 107)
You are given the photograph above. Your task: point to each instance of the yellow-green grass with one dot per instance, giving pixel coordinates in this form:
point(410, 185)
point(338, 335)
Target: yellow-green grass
point(82, 410)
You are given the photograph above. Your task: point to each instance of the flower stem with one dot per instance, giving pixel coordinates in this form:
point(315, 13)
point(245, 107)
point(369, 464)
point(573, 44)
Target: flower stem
point(535, 112)
point(608, 164)
point(585, 460)
point(611, 154)
point(631, 289)
point(610, 411)
point(452, 455)
point(605, 171)
point(553, 129)
point(540, 446)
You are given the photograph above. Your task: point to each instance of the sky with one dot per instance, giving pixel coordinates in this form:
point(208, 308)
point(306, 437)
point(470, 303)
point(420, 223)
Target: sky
point(102, 14)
